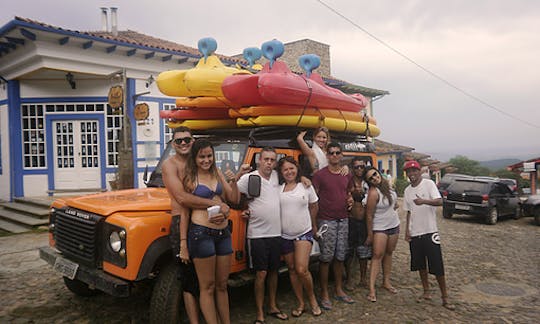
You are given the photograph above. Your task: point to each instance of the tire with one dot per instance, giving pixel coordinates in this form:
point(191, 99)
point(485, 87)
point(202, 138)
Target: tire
point(166, 300)
point(80, 288)
point(518, 212)
point(446, 213)
point(491, 217)
point(537, 219)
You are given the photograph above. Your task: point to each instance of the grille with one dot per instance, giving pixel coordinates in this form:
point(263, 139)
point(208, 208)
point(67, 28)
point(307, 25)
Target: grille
point(476, 199)
point(76, 234)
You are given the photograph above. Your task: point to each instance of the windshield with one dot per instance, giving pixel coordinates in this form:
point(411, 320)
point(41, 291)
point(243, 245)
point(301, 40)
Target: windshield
point(228, 156)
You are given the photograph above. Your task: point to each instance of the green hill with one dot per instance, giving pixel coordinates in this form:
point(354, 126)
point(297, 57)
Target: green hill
point(498, 164)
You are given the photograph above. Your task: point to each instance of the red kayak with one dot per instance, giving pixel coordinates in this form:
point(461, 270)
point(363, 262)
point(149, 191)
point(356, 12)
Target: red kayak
point(195, 113)
point(280, 86)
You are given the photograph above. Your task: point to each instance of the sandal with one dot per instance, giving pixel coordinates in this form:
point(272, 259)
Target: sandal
point(279, 315)
point(448, 305)
point(326, 304)
point(372, 298)
point(259, 322)
point(297, 312)
point(391, 289)
point(317, 311)
point(345, 299)
point(423, 298)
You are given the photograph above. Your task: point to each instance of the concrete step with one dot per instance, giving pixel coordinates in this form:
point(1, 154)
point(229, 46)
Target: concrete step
point(13, 228)
point(21, 218)
point(43, 202)
point(26, 208)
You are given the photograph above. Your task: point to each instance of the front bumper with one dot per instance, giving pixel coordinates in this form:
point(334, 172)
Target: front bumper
point(93, 277)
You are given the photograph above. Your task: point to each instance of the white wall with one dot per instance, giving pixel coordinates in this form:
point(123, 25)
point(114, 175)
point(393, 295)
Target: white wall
point(5, 183)
point(35, 185)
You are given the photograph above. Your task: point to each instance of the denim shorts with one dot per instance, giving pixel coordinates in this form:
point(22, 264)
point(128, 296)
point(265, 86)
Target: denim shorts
point(390, 231)
point(204, 242)
point(287, 246)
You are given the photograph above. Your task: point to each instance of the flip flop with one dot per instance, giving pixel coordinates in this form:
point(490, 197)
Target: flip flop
point(371, 298)
point(391, 290)
point(326, 304)
point(448, 306)
point(423, 298)
point(314, 311)
point(297, 312)
point(345, 299)
point(279, 315)
point(259, 322)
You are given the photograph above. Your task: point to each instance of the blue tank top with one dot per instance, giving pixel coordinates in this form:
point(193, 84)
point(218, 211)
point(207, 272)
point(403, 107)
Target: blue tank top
point(205, 192)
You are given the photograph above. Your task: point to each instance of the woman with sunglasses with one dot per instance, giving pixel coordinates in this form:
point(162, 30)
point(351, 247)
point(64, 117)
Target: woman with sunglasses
point(299, 209)
point(357, 224)
point(209, 239)
point(383, 228)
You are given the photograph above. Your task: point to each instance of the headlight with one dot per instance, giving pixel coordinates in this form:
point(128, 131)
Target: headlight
point(115, 242)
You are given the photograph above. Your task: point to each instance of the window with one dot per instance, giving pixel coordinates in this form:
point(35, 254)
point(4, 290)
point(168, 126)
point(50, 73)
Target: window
point(167, 132)
point(33, 136)
point(114, 129)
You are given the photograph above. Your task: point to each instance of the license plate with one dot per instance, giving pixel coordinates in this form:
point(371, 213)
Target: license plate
point(462, 207)
point(66, 268)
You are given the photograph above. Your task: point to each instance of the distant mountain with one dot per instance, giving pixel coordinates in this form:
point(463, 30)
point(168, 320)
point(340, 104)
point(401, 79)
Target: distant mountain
point(498, 164)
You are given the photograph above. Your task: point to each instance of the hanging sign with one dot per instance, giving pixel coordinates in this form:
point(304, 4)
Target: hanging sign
point(141, 111)
point(116, 97)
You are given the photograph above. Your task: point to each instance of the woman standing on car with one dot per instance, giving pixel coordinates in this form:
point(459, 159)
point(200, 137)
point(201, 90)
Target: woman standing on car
point(299, 209)
point(383, 228)
point(209, 239)
point(317, 154)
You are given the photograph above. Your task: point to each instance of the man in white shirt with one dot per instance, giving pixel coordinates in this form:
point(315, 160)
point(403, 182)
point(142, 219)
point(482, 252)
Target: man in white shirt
point(420, 201)
point(264, 233)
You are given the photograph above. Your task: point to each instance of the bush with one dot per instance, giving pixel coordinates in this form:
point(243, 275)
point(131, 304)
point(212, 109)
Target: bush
point(400, 184)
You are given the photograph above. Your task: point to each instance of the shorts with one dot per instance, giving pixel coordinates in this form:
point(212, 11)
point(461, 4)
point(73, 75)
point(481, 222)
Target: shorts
point(204, 242)
point(185, 272)
point(334, 243)
point(390, 231)
point(264, 253)
point(357, 238)
point(287, 246)
point(427, 247)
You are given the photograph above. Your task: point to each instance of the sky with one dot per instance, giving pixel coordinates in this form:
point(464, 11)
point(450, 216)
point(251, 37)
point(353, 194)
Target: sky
point(471, 60)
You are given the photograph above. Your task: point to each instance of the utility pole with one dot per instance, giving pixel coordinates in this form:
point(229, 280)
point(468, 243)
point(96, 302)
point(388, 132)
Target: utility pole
point(125, 149)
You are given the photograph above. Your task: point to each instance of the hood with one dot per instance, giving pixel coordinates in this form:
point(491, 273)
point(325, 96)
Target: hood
point(132, 200)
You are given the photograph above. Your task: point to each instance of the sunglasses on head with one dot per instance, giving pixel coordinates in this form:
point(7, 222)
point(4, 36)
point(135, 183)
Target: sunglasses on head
point(186, 140)
point(360, 166)
point(334, 153)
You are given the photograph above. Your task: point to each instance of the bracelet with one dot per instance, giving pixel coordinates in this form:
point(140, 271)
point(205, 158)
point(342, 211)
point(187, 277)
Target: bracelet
point(183, 239)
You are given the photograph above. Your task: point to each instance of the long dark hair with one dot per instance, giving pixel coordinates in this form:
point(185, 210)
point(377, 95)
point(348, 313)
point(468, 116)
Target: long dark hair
point(289, 159)
point(191, 166)
point(384, 186)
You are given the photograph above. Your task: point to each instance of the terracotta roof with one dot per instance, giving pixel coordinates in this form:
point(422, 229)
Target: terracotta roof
point(134, 38)
point(382, 147)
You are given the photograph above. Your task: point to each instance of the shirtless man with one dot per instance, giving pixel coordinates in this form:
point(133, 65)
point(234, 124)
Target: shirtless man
point(173, 173)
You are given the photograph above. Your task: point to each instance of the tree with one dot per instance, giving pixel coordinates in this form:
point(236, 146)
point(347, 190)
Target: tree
point(468, 166)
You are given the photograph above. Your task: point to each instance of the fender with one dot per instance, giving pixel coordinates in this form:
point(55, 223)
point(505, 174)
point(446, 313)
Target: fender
point(156, 250)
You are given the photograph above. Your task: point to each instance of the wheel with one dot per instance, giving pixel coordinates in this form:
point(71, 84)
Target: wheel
point(446, 213)
point(492, 216)
point(166, 301)
point(79, 288)
point(517, 212)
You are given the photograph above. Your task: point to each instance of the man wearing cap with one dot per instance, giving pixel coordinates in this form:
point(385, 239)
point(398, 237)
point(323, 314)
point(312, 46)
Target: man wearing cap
point(420, 201)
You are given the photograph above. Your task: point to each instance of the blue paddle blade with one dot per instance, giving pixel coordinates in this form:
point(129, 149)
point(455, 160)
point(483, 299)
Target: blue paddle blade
point(252, 54)
point(309, 62)
point(207, 46)
point(272, 50)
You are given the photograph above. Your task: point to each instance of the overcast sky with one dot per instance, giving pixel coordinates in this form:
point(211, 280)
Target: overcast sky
point(487, 48)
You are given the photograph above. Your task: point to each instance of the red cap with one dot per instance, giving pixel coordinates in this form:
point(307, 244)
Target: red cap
point(411, 164)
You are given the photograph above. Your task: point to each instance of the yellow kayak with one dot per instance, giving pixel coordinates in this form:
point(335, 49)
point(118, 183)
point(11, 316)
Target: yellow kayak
point(203, 124)
point(256, 111)
point(333, 124)
point(203, 80)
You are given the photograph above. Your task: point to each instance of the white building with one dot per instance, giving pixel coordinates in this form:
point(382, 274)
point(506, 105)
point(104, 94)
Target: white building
point(57, 130)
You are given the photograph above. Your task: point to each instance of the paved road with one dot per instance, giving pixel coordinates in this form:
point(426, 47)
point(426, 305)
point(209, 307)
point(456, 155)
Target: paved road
point(492, 272)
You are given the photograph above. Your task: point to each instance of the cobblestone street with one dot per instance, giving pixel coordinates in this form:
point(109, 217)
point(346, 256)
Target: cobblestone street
point(492, 274)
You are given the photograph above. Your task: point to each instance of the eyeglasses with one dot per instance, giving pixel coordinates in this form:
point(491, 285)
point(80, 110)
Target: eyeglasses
point(187, 140)
point(360, 166)
point(334, 153)
point(372, 176)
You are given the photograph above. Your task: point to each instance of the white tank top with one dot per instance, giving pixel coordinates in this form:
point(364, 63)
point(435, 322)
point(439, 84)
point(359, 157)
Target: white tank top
point(385, 217)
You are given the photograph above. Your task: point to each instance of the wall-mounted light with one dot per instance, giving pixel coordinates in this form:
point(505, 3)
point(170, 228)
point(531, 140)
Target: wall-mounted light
point(71, 80)
point(150, 80)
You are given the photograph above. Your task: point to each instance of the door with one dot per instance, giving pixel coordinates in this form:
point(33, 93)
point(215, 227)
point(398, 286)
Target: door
point(76, 154)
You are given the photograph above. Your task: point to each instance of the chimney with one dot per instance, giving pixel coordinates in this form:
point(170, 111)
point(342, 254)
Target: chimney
point(104, 20)
point(114, 21)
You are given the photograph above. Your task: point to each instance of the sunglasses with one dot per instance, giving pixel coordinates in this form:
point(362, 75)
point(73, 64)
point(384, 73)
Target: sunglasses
point(334, 153)
point(187, 140)
point(359, 167)
point(372, 176)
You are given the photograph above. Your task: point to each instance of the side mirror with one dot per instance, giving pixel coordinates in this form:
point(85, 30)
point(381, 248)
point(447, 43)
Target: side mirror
point(254, 186)
point(145, 175)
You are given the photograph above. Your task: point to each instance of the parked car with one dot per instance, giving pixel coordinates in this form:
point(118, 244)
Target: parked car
point(483, 197)
point(448, 178)
point(511, 183)
point(531, 207)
